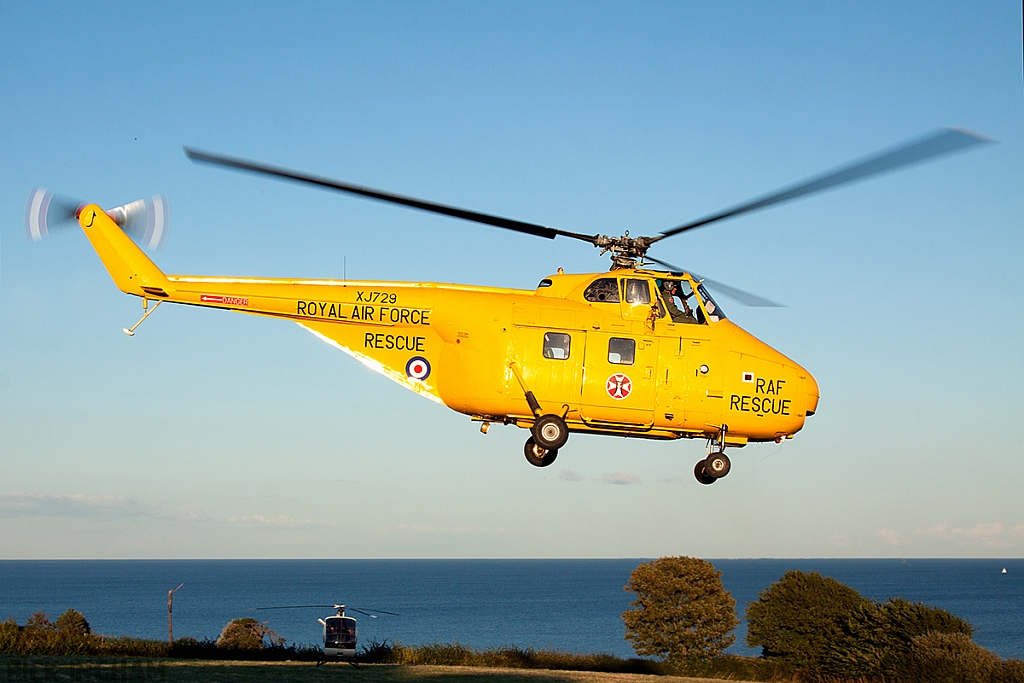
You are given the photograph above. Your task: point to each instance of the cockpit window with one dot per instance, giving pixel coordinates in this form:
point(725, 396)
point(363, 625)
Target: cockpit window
point(605, 290)
point(556, 345)
point(340, 632)
point(637, 292)
point(715, 312)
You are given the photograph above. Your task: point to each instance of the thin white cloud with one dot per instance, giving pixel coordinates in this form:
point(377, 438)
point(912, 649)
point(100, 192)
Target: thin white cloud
point(187, 512)
point(569, 475)
point(275, 522)
point(423, 529)
point(620, 478)
point(838, 541)
point(990, 534)
point(984, 531)
point(469, 530)
point(890, 537)
point(74, 505)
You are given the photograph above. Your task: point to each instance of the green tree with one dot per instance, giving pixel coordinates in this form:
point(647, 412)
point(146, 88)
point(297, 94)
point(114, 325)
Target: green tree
point(39, 622)
point(247, 634)
point(681, 612)
point(800, 615)
point(72, 623)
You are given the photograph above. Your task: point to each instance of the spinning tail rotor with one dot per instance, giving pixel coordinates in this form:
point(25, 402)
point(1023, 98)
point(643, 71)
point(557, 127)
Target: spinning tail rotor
point(147, 220)
point(45, 212)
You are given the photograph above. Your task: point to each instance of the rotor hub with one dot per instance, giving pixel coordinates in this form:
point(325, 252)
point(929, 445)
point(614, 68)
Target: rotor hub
point(625, 250)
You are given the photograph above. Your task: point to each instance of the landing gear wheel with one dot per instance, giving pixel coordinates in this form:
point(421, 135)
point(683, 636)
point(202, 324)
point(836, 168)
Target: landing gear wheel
point(701, 475)
point(537, 456)
point(550, 432)
point(717, 465)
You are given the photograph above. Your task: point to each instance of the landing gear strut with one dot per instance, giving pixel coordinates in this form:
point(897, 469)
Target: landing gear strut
point(717, 464)
point(537, 455)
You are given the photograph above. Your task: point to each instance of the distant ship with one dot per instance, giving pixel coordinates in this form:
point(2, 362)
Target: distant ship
point(1004, 570)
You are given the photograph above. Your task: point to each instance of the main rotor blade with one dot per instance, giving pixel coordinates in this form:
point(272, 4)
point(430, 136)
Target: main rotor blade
point(380, 195)
point(379, 611)
point(745, 298)
point(296, 607)
point(936, 144)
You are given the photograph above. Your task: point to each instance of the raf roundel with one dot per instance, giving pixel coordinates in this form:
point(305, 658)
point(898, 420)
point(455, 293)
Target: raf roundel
point(618, 386)
point(418, 367)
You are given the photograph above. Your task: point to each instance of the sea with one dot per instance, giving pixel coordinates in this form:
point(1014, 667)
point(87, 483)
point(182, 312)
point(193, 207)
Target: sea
point(569, 605)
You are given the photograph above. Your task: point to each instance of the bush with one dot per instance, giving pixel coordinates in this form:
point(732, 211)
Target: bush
point(9, 633)
point(799, 616)
point(247, 634)
point(39, 622)
point(827, 629)
point(946, 658)
point(1009, 671)
point(878, 638)
point(682, 612)
point(508, 657)
point(70, 635)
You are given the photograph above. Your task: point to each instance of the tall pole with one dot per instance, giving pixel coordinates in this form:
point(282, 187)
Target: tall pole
point(170, 621)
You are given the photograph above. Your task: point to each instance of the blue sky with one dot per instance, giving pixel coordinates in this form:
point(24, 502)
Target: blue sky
point(218, 435)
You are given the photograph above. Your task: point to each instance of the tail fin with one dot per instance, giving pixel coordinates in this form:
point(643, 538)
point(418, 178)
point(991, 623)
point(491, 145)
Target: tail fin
point(129, 267)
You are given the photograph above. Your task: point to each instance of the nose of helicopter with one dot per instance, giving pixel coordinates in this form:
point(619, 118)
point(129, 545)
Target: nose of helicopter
point(811, 394)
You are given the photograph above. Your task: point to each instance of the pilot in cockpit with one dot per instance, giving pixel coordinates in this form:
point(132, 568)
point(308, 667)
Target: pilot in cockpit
point(670, 292)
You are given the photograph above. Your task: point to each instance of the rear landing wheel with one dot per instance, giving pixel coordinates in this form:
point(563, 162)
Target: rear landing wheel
point(537, 456)
point(701, 475)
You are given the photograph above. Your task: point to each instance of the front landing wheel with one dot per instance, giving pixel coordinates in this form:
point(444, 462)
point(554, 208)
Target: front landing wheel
point(701, 475)
point(550, 432)
point(537, 456)
point(717, 464)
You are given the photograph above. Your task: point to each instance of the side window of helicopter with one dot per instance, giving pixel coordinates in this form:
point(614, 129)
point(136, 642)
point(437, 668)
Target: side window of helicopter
point(556, 345)
point(605, 290)
point(637, 292)
point(621, 351)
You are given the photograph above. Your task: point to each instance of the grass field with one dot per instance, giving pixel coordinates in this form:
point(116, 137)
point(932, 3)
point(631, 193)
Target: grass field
point(95, 669)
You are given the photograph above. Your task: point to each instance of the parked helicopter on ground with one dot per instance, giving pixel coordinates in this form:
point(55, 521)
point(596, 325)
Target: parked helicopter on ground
point(634, 352)
point(339, 631)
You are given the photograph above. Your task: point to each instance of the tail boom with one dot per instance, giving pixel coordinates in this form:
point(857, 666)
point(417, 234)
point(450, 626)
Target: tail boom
point(129, 267)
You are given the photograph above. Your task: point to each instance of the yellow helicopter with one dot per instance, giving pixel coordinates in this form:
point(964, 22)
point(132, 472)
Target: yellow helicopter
point(634, 352)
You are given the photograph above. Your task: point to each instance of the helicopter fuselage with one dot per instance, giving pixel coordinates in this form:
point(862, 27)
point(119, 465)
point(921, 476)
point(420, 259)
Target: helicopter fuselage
point(339, 635)
point(608, 363)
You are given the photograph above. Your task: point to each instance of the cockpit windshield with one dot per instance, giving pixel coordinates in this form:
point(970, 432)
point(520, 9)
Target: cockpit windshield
point(340, 631)
point(715, 312)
